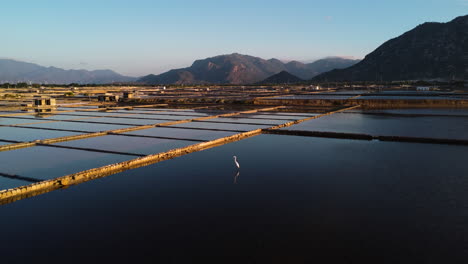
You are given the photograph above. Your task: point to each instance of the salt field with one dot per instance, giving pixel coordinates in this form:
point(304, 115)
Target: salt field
point(420, 126)
point(74, 126)
point(281, 205)
point(50, 162)
point(291, 193)
point(181, 133)
point(127, 144)
point(29, 134)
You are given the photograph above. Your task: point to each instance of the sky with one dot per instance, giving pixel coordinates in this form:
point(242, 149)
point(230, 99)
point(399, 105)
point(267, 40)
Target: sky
point(139, 37)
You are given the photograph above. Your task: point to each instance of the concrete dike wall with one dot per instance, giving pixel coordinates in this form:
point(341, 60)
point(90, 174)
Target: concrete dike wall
point(357, 136)
point(11, 195)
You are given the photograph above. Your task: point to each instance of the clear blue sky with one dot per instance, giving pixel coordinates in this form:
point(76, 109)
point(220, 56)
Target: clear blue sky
point(138, 37)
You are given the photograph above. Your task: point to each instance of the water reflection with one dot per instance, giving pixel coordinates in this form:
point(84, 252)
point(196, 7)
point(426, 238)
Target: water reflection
point(236, 176)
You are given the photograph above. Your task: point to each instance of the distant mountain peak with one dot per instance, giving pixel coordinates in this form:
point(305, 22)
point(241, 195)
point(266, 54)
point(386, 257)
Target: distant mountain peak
point(431, 50)
point(18, 71)
point(237, 68)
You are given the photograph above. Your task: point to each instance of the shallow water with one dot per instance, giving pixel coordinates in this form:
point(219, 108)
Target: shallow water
point(192, 113)
point(15, 121)
point(49, 117)
point(125, 121)
point(286, 114)
point(237, 127)
point(383, 125)
point(181, 133)
point(274, 117)
point(88, 127)
point(134, 145)
point(418, 111)
point(4, 143)
point(295, 197)
point(92, 113)
point(241, 120)
point(48, 162)
point(172, 117)
point(9, 183)
point(29, 134)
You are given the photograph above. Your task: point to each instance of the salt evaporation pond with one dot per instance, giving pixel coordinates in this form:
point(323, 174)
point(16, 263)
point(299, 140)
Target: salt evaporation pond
point(49, 162)
point(348, 201)
point(181, 133)
point(275, 117)
point(127, 144)
point(77, 126)
point(192, 113)
point(207, 125)
point(14, 121)
point(246, 120)
point(416, 111)
point(48, 117)
point(4, 143)
point(92, 113)
point(383, 125)
point(30, 134)
point(286, 114)
point(170, 117)
point(10, 183)
point(123, 121)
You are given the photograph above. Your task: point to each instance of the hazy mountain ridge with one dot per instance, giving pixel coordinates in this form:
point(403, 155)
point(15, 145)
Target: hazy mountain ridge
point(429, 51)
point(241, 69)
point(18, 71)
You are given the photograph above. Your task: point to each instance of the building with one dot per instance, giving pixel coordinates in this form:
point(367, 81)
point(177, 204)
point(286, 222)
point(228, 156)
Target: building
point(108, 98)
point(127, 95)
point(40, 101)
point(423, 88)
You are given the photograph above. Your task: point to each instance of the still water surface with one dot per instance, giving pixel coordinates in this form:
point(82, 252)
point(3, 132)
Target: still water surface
point(295, 200)
point(384, 125)
point(31, 134)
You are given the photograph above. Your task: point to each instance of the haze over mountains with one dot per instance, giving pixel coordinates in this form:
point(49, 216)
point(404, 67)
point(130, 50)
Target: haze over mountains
point(225, 69)
point(429, 51)
point(16, 71)
point(242, 69)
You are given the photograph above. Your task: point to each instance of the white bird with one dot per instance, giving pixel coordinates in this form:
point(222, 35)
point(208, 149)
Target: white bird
point(235, 161)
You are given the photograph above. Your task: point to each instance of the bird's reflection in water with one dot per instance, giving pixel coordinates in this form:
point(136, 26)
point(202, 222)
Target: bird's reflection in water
point(236, 176)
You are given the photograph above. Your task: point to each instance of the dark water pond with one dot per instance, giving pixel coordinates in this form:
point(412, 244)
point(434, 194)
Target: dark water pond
point(384, 125)
point(87, 127)
point(133, 145)
point(181, 133)
point(418, 111)
point(208, 125)
point(49, 162)
point(126, 121)
point(295, 200)
point(31, 134)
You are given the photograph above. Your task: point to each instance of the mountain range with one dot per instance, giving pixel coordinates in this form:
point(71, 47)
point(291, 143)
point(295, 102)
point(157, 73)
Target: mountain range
point(430, 51)
point(242, 69)
point(17, 71)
